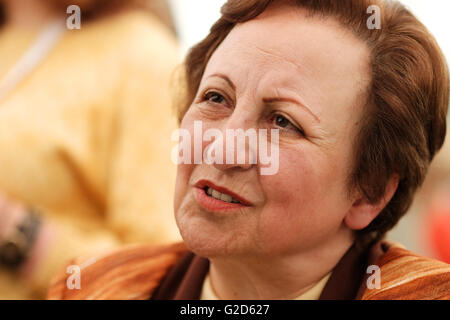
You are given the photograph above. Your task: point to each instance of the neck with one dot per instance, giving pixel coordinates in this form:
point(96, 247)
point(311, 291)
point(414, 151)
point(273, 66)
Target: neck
point(30, 13)
point(271, 278)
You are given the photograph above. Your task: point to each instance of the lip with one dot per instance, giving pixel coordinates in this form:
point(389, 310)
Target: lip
point(206, 183)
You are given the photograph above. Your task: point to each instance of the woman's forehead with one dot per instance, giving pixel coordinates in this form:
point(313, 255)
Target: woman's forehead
point(309, 54)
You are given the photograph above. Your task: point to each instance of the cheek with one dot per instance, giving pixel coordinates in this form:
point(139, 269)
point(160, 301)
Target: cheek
point(184, 170)
point(303, 199)
point(298, 181)
point(182, 183)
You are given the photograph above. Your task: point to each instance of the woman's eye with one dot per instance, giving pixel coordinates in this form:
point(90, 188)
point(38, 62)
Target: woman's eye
point(214, 97)
point(284, 123)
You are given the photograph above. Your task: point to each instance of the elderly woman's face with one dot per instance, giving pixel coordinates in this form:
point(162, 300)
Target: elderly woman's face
point(305, 77)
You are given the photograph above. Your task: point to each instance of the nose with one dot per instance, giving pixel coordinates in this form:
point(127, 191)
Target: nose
point(235, 147)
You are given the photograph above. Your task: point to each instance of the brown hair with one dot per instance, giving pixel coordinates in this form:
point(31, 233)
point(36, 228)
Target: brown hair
point(407, 100)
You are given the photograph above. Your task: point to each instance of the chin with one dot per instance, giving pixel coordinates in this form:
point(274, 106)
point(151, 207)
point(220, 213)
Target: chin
point(208, 235)
point(195, 235)
point(206, 241)
point(202, 244)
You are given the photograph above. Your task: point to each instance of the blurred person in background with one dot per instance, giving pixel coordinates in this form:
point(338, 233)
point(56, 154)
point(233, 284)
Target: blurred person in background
point(83, 117)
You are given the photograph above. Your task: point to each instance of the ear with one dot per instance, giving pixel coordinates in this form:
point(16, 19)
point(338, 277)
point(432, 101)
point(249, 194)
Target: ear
point(362, 213)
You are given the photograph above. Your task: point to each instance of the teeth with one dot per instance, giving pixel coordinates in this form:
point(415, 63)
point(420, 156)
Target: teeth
point(226, 197)
point(216, 194)
point(220, 196)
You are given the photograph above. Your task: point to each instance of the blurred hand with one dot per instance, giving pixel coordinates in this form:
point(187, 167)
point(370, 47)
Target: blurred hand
point(11, 214)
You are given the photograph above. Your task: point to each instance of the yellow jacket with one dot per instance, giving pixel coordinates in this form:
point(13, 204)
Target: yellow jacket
point(85, 139)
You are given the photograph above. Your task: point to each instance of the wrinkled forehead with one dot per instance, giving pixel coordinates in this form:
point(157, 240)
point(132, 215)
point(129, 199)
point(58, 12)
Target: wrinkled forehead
point(316, 52)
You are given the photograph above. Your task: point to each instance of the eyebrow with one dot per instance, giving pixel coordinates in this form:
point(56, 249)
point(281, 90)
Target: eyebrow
point(272, 100)
point(224, 77)
point(267, 100)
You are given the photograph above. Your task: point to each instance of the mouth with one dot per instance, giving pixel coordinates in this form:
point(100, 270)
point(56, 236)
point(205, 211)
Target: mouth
point(216, 198)
point(219, 195)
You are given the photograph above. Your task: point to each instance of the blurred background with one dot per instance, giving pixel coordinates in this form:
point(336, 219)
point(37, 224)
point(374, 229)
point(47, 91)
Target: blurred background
point(426, 227)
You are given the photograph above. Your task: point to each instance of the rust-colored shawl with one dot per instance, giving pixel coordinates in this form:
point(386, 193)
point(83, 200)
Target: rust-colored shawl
point(406, 275)
point(173, 272)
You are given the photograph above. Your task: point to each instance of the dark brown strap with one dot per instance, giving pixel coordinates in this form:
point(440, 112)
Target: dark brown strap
point(374, 255)
point(346, 277)
point(191, 286)
point(184, 281)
